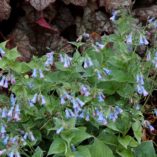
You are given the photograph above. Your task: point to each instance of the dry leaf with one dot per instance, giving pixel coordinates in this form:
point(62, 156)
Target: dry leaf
point(20, 39)
point(93, 21)
point(5, 9)
point(144, 13)
point(111, 5)
point(76, 2)
point(40, 4)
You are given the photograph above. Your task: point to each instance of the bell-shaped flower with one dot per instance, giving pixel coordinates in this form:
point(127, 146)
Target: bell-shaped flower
point(2, 52)
point(34, 74)
point(34, 100)
point(87, 62)
point(58, 131)
point(129, 39)
point(2, 81)
point(107, 71)
point(41, 75)
point(43, 101)
point(5, 84)
point(100, 97)
point(143, 40)
point(84, 90)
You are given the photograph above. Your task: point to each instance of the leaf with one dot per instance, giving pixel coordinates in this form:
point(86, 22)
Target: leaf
point(109, 87)
point(40, 4)
point(75, 136)
point(99, 149)
point(5, 9)
point(58, 146)
point(126, 153)
point(43, 23)
point(145, 149)
point(83, 151)
point(137, 129)
point(127, 141)
point(111, 5)
point(108, 138)
point(12, 54)
point(76, 2)
point(79, 136)
point(38, 152)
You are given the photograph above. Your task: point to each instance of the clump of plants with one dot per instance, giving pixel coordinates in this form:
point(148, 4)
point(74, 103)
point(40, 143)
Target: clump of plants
point(86, 104)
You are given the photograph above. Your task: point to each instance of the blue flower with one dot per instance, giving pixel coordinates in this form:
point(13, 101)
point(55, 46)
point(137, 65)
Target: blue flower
point(87, 62)
point(12, 99)
point(114, 15)
point(84, 90)
point(2, 81)
point(69, 113)
point(34, 74)
point(102, 119)
point(112, 116)
point(2, 52)
point(148, 57)
point(43, 101)
point(129, 39)
point(101, 97)
point(139, 79)
point(143, 40)
point(50, 59)
point(41, 75)
point(99, 76)
point(107, 71)
point(34, 100)
point(80, 102)
point(58, 131)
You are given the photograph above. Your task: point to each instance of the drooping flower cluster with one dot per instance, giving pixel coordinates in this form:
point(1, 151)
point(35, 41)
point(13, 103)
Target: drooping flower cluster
point(6, 80)
point(50, 59)
point(35, 73)
point(13, 113)
point(140, 85)
point(37, 98)
point(143, 40)
point(65, 59)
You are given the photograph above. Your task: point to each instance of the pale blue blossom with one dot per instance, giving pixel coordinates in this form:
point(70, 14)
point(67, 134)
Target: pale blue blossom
point(87, 62)
point(143, 40)
point(107, 71)
point(129, 39)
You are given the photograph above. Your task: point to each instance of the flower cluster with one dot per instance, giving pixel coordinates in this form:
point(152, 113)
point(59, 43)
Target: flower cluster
point(13, 113)
point(37, 98)
point(6, 79)
point(35, 73)
point(140, 85)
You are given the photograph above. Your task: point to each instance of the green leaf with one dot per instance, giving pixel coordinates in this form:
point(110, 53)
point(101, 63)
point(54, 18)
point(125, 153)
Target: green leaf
point(83, 151)
point(127, 141)
point(145, 149)
point(109, 87)
point(79, 136)
point(38, 152)
point(58, 146)
point(99, 149)
point(75, 136)
point(108, 138)
point(126, 153)
point(12, 54)
point(137, 129)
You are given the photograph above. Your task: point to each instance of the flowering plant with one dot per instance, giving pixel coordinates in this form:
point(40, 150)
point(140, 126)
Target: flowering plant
point(83, 104)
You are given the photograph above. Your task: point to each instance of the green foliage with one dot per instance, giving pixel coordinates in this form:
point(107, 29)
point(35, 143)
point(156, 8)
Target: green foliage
point(80, 106)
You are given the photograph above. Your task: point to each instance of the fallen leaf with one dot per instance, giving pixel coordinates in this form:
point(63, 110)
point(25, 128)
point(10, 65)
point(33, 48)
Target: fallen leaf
point(76, 2)
point(40, 4)
point(5, 9)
